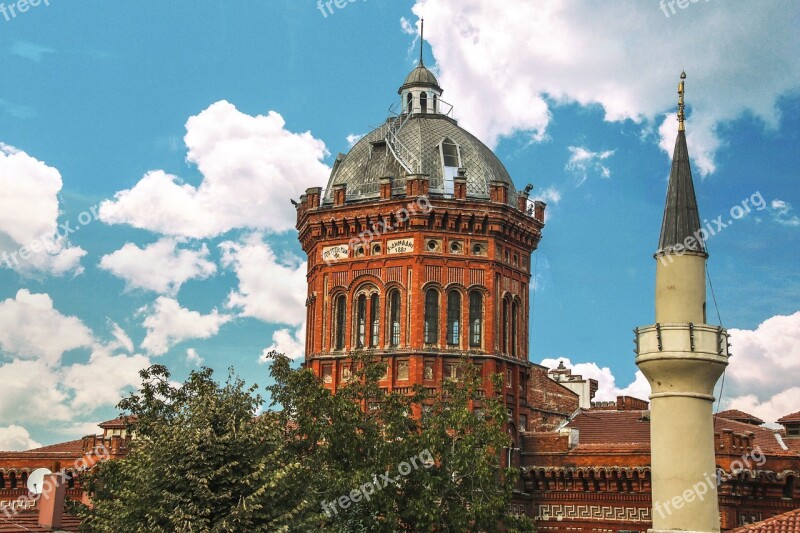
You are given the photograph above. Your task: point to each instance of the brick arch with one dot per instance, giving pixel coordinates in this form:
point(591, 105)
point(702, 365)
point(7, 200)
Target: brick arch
point(481, 288)
point(432, 285)
point(364, 279)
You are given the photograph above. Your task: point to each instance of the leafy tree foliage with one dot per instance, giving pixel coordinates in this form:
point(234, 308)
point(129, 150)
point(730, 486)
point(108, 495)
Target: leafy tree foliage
point(361, 460)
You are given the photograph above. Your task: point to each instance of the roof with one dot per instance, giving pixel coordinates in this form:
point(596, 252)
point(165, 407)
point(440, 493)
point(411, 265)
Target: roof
point(420, 76)
point(370, 159)
point(681, 217)
point(741, 416)
point(794, 417)
point(73, 448)
point(783, 523)
point(117, 423)
point(633, 427)
point(612, 427)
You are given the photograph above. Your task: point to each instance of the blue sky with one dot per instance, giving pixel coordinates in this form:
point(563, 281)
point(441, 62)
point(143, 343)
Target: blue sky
point(171, 136)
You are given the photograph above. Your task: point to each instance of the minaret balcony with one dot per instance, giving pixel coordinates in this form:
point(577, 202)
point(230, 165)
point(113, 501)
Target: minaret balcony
point(682, 359)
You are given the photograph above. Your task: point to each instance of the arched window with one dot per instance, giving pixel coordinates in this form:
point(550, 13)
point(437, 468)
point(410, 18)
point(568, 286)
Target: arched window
point(70, 480)
point(361, 321)
point(514, 327)
point(475, 319)
point(504, 330)
point(12, 478)
point(423, 102)
point(394, 318)
point(453, 318)
point(409, 103)
point(375, 316)
point(431, 316)
point(2, 481)
point(788, 488)
point(451, 161)
point(340, 322)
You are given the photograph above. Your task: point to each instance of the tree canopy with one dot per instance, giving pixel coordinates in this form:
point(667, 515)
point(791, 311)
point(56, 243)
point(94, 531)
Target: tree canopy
point(205, 459)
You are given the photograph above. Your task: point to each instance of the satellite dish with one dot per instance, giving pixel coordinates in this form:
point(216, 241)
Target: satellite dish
point(36, 480)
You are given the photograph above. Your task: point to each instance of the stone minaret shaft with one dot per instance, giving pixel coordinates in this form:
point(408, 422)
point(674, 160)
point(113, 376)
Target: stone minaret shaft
point(682, 358)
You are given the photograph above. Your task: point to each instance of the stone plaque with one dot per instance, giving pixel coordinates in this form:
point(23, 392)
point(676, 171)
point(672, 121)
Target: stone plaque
point(400, 246)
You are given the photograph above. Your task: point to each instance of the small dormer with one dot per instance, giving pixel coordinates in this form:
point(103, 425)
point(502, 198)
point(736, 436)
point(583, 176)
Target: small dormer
point(791, 423)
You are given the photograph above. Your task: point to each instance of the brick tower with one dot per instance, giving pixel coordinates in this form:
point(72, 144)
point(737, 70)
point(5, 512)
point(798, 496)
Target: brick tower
point(419, 252)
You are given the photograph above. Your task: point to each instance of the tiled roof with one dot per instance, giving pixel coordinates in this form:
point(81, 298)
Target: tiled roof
point(783, 523)
point(73, 448)
point(29, 522)
point(612, 427)
point(794, 417)
point(735, 414)
point(117, 423)
point(633, 427)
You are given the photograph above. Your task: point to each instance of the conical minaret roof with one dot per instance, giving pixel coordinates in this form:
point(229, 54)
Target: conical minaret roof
point(681, 224)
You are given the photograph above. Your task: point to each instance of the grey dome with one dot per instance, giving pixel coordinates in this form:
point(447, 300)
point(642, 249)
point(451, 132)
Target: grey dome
point(420, 76)
point(372, 158)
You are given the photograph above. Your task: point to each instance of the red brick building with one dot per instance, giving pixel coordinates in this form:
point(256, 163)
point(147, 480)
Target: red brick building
point(419, 252)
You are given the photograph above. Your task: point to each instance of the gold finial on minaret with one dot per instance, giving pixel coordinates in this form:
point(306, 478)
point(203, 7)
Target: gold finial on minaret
point(681, 109)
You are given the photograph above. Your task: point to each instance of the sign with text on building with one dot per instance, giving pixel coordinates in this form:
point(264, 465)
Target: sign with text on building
point(400, 246)
point(334, 253)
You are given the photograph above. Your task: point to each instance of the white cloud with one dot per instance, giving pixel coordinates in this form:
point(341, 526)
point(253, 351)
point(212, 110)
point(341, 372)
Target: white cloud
point(251, 167)
point(168, 324)
point(550, 195)
point(607, 383)
point(103, 380)
point(30, 328)
point(290, 343)
point(161, 267)
point(764, 365)
point(16, 439)
point(525, 55)
point(583, 161)
point(30, 239)
point(270, 289)
point(32, 392)
point(192, 357)
point(37, 387)
point(782, 213)
point(353, 138)
point(31, 51)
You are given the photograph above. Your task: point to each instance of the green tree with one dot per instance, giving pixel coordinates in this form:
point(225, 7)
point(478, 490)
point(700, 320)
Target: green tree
point(360, 460)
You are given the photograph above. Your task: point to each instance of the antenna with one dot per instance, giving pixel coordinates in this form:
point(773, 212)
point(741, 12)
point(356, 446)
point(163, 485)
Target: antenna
point(421, 40)
point(681, 109)
point(36, 480)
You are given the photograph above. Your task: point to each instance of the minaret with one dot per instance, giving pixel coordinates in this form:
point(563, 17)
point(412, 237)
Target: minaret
point(682, 358)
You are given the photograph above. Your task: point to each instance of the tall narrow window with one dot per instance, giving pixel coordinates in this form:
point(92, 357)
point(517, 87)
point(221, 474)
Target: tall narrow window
point(409, 103)
point(435, 103)
point(394, 318)
point(514, 327)
point(431, 316)
point(475, 319)
point(453, 318)
point(423, 102)
point(450, 164)
point(361, 321)
point(341, 322)
point(504, 329)
point(374, 313)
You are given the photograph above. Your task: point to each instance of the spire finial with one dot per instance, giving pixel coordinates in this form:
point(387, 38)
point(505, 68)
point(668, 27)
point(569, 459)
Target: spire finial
point(681, 108)
point(421, 41)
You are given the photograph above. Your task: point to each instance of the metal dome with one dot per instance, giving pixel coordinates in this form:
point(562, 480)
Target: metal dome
point(420, 76)
point(421, 136)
